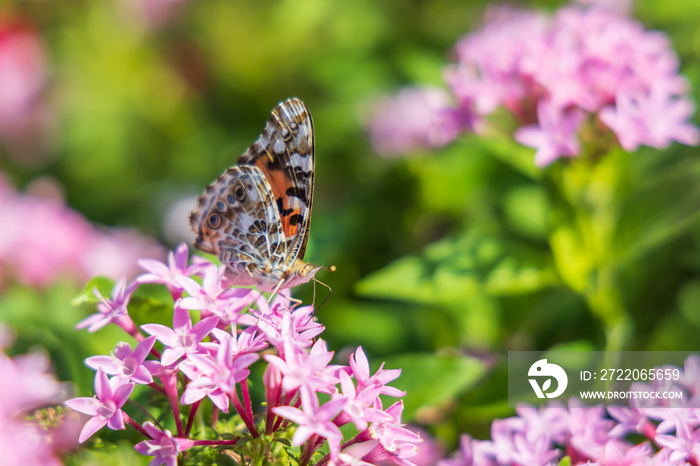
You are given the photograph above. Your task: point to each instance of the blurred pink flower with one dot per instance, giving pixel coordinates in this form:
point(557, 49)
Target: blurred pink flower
point(113, 252)
point(32, 387)
point(414, 119)
point(24, 76)
point(43, 240)
point(495, 65)
point(554, 74)
point(28, 385)
point(153, 14)
point(618, 6)
point(554, 136)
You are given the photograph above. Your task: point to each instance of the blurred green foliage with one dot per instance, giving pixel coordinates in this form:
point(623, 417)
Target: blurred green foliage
point(443, 259)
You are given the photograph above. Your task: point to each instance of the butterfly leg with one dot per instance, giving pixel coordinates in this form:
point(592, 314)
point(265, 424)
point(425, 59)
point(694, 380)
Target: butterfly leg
point(274, 291)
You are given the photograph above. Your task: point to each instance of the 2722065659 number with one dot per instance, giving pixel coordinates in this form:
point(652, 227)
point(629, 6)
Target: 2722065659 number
point(640, 374)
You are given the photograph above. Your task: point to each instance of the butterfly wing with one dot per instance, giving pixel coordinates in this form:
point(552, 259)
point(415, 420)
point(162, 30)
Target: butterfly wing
point(284, 153)
point(237, 220)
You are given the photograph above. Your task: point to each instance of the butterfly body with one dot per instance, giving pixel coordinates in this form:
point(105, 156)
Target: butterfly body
point(256, 216)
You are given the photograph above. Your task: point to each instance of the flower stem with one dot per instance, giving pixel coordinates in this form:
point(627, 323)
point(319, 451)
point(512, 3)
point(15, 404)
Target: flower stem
point(171, 392)
point(215, 442)
point(135, 424)
point(273, 398)
point(246, 398)
point(309, 449)
point(191, 417)
point(244, 415)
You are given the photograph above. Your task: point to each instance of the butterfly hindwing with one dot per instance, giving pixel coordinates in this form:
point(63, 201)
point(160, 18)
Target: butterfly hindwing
point(284, 153)
point(237, 220)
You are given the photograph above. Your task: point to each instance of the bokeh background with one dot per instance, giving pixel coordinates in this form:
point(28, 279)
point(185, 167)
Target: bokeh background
point(115, 114)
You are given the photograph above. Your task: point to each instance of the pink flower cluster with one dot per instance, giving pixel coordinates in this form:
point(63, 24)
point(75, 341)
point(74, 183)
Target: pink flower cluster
point(43, 240)
point(27, 385)
point(582, 68)
point(590, 436)
point(306, 396)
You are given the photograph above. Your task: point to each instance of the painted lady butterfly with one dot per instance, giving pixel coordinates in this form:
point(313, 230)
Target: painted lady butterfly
point(256, 216)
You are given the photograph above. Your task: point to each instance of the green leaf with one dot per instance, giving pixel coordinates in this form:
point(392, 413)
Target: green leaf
point(103, 284)
point(143, 309)
point(431, 381)
point(453, 270)
point(565, 461)
point(573, 260)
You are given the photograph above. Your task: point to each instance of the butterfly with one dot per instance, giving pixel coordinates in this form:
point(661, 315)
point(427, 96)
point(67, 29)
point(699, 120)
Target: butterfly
point(256, 216)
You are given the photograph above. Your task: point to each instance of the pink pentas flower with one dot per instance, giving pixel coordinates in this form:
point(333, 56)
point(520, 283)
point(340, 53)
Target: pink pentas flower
point(589, 428)
point(162, 446)
point(168, 274)
point(345, 459)
point(215, 376)
point(300, 368)
point(359, 406)
point(539, 451)
point(630, 420)
point(683, 446)
point(396, 442)
point(109, 310)
point(550, 421)
point(212, 297)
point(113, 310)
point(360, 369)
point(617, 453)
point(677, 416)
point(503, 432)
point(166, 374)
point(126, 363)
point(287, 324)
point(183, 338)
point(243, 342)
point(314, 419)
point(104, 407)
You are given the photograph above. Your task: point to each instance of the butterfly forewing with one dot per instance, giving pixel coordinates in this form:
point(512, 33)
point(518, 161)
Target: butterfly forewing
point(284, 153)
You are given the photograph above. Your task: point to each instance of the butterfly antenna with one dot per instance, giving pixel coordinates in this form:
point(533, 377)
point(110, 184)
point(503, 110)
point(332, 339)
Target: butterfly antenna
point(332, 268)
